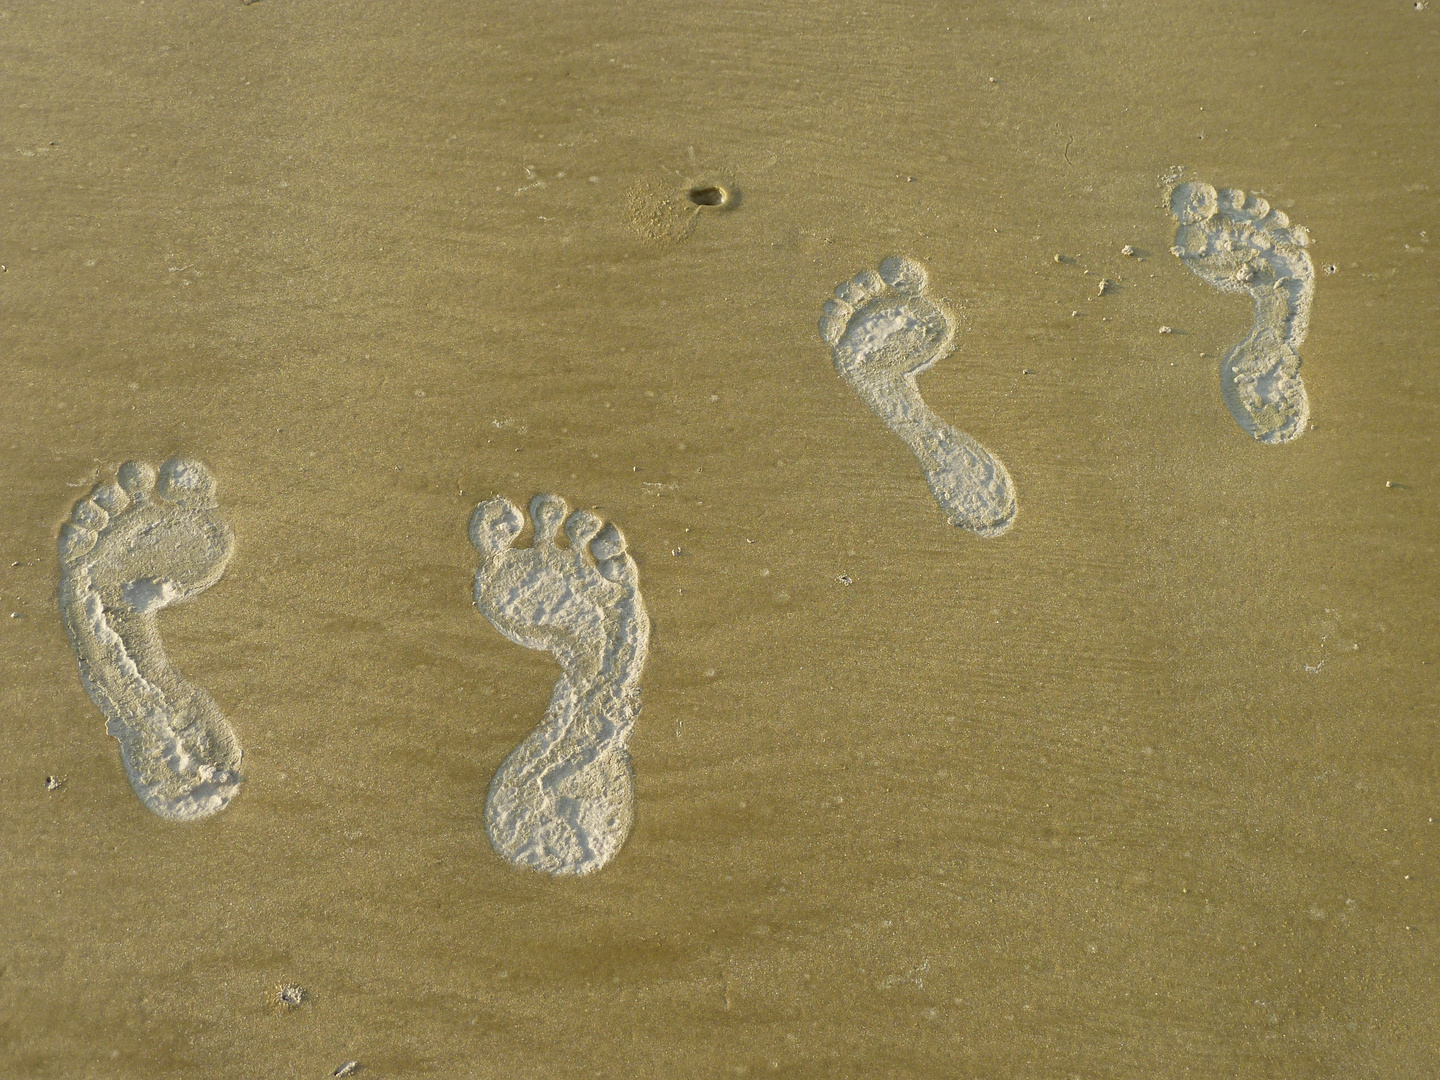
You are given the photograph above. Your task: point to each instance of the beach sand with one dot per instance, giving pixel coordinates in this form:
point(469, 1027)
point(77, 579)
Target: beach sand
point(1144, 788)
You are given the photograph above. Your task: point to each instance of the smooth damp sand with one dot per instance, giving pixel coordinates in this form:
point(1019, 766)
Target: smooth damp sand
point(1140, 789)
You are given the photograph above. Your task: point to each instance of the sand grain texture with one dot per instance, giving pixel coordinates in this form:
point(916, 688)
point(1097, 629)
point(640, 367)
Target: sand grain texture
point(1142, 789)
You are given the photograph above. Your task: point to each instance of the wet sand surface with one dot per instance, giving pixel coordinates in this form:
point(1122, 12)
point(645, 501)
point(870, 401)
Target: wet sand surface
point(1146, 787)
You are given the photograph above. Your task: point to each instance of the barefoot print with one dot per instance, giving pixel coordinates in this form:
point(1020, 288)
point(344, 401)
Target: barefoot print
point(563, 801)
point(131, 548)
point(883, 331)
point(1239, 244)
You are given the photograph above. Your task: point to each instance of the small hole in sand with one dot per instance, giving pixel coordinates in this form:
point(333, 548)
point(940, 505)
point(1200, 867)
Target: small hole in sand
point(708, 196)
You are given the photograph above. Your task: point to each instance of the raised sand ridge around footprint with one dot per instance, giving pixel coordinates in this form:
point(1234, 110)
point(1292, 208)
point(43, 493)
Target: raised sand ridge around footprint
point(883, 330)
point(563, 800)
point(1237, 243)
point(131, 548)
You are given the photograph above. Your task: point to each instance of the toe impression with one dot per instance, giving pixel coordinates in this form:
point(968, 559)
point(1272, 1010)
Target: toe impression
point(494, 526)
point(186, 483)
point(903, 275)
point(547, 512)
point(137, 478)
point(582, 527)
point(608, 543)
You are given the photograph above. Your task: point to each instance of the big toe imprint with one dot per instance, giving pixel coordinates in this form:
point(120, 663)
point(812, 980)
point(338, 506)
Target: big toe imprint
point(132, 547)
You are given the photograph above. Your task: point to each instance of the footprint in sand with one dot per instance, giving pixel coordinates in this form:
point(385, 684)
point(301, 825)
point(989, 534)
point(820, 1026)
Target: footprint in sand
point(563, 800)
point(1240, 244)
point(130, 549)
point(883, 331)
